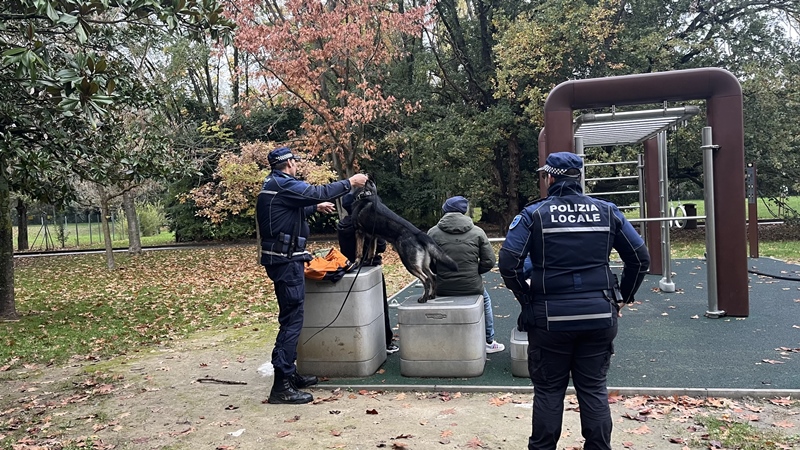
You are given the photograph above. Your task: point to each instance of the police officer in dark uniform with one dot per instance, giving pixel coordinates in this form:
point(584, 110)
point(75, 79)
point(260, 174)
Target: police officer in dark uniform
point(281, 210)
point(570, 298)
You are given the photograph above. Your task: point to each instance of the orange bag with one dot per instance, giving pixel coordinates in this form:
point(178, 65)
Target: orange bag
point(331, 267)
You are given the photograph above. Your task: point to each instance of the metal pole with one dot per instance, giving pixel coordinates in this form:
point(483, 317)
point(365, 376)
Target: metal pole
point(751, 186)
point(665, 284)
point(640, 180)
point(77, 236)
point(580, 152)
point(711, 243)
point(89, 215)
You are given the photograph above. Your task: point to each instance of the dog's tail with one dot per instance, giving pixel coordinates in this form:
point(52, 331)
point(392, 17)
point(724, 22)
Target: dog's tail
point(440, 258)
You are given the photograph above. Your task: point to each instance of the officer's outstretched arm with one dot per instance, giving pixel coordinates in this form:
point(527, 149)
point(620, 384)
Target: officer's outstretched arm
point(304, 194)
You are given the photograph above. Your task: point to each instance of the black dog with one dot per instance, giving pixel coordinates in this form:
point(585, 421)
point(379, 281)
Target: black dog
point(419, 252)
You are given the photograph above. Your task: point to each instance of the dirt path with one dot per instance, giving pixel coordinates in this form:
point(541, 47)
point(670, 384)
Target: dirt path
point(155, 401)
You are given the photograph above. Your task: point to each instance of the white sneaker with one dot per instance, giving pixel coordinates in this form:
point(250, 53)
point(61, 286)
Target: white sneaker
point(495, 347)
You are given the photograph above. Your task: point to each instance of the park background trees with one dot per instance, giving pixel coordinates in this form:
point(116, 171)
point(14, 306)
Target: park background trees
point(433, 99)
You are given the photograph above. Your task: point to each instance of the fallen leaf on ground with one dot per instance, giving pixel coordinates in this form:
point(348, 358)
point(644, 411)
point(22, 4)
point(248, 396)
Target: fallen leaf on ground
point(475, 443)
point(644, 429)
point(637, 417)
point(498, 401)
point(783, 424)
point(180, 433)
point(782, 401)
point(752, 408)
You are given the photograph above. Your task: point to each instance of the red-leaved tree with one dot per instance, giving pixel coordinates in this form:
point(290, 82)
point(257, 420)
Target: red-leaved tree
point(328, 57)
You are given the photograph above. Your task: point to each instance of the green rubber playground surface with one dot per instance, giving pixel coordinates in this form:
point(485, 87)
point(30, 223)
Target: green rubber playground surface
point(664, 341)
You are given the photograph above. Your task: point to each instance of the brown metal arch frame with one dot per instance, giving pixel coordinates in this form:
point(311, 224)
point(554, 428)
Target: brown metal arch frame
point(723, 95)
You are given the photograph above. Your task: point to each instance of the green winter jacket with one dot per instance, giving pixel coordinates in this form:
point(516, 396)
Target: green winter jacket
point(469, 247)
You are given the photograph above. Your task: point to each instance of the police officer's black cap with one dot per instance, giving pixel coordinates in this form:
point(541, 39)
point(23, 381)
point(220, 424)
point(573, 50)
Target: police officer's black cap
point(280, 155)
point(563, 164)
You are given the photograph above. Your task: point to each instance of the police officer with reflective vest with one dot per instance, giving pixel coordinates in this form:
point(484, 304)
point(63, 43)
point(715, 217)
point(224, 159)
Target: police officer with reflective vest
point(281, 210)
point(570, 298)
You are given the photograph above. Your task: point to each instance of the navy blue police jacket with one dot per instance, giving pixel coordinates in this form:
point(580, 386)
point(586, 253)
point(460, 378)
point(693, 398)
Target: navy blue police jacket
point(281, 210)
point(562, 245)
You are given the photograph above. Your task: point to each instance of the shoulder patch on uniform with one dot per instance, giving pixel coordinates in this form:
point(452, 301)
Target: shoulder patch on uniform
point(514, 222)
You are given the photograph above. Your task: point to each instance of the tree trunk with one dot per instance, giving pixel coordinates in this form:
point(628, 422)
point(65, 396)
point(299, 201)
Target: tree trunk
point(105, 216)
point(235, 76)
point(209, 87)
point(22, 227)
point(512, 184)
point(134, 239)
point(8, 310)
point(507, 176)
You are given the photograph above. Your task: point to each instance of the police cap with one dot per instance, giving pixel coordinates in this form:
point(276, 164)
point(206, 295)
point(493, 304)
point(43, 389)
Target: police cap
point(280, 155)
point(563, 164)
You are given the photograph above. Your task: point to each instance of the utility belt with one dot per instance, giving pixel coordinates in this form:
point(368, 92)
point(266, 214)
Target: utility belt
point(570, 296)
point(577, 311)
point(284, 245)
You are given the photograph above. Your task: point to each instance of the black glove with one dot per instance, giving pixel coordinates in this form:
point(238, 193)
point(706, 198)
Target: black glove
point(524, 299)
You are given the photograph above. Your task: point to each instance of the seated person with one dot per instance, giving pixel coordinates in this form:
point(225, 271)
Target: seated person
point(470, 248)
point(346, 231)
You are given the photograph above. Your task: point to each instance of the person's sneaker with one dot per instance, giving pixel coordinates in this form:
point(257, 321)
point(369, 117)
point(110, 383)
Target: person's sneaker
point(495, 347)
point(392, 348)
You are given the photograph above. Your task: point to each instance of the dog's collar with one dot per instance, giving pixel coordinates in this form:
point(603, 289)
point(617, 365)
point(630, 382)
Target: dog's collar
point(363, 194)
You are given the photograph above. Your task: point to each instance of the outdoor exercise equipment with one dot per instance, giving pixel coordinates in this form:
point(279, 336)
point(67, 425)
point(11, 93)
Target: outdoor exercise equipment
point(723, 155)
point(603, 130)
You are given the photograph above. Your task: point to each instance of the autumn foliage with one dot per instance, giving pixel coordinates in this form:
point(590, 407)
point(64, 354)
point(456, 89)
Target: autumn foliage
point(328, 59)
point(238, 180)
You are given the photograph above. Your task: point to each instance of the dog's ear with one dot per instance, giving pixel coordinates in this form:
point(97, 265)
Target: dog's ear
point(371, 182)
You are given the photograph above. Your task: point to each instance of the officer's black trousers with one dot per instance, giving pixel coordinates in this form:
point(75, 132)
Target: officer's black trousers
point(290, 290)
point(552, 357)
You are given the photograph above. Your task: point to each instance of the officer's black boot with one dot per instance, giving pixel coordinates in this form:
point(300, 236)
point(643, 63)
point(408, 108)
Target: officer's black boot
point(301, 382)
point(283, 392)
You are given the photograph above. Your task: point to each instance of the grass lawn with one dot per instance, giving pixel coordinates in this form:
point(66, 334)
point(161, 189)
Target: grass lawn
point(84, 236)
point(766, 209)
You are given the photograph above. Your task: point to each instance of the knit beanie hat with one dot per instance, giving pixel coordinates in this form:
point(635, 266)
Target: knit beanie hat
point(455, 204)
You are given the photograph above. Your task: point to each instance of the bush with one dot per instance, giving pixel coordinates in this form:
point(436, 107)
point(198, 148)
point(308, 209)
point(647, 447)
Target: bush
point(151, 218)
